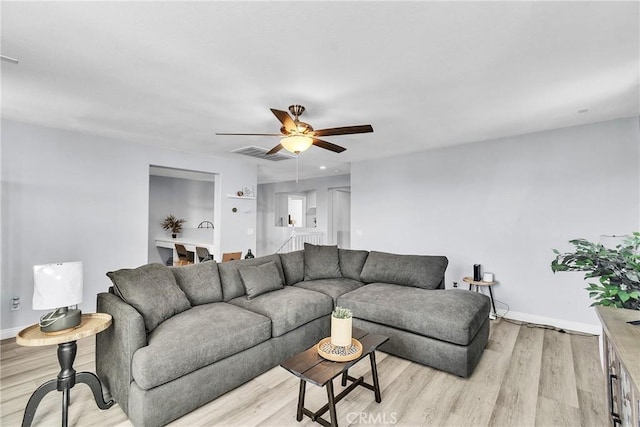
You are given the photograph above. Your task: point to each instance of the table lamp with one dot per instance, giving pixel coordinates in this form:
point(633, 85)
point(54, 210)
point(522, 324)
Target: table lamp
point(58, 286)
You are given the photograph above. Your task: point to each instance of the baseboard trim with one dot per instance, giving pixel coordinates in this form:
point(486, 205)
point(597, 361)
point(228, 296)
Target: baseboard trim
point(568, 325)
point(11, 333)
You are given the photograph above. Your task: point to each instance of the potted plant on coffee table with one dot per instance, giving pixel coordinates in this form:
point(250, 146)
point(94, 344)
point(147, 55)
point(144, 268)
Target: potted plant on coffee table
point(617, 270)
point(341, 326)
point(173, 223)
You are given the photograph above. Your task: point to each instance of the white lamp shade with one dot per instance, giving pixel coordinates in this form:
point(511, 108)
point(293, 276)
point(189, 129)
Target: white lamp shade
point(57, 285)
point(296, 143)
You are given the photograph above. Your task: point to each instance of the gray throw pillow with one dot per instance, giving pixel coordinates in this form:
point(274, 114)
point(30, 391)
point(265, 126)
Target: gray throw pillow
point(293, 266)
point(260, 279)
point(420, 271)
point(232, 285)
point(351, 262)
point(200, 282)
point(321, 262)
point(152, 290)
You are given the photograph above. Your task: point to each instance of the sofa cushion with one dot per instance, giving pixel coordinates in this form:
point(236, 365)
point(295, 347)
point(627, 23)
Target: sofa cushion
point(196, 338)
point(200, 282)
point(260, 279)
point(152, 290)
point(421, 271)
point(332, 287)
point(454, 316)
point(232, 285)
point(293, 266)
point(321, 262)
point(351, 262)
point(288, 308)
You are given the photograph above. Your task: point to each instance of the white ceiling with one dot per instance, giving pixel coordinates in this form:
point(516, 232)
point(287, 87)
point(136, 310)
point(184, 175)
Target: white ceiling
point(424, 74)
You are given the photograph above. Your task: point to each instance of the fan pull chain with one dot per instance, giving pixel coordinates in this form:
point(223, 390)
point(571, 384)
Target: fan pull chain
point(297, 157)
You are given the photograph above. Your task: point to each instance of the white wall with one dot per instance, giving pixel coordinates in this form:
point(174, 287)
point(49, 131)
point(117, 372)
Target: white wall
point(68, 196)
point(271, 237)
point(189, 199)
point(505, 204)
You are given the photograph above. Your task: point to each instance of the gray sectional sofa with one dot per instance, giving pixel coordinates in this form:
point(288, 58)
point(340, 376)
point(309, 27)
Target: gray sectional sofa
point(183, 336)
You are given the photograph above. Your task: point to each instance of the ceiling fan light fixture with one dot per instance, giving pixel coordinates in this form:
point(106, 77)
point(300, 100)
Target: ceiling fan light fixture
point(296, 143)
point(297, 136)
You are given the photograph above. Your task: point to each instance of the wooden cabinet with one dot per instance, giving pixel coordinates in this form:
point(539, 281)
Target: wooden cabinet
point(621, 345)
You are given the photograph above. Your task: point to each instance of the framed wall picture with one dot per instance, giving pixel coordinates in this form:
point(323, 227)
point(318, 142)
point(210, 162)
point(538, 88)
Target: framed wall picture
point(247, 190)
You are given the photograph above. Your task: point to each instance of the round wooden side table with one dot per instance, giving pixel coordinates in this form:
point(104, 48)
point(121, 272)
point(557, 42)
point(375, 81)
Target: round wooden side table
point(478, 283)
point(91, 324)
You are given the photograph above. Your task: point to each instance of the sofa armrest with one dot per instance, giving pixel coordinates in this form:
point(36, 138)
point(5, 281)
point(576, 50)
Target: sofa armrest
point(116, 345)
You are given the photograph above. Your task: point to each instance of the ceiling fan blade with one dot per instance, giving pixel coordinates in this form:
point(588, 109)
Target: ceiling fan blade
point(345, 130)
point(328, 146)
point(250, 134)
point(284, 118)
point(274, 150)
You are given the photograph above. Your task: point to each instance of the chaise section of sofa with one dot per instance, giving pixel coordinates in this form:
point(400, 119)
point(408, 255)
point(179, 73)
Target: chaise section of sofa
point(445, 329)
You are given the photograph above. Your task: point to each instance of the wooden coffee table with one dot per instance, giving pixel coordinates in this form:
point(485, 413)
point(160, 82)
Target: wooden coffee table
point(309, 366)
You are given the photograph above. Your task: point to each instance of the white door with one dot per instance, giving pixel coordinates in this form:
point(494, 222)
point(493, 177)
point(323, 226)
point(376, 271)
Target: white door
point(340, 233)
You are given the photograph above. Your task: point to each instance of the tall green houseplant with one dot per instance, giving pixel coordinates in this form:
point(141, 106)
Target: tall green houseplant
point(617, 270)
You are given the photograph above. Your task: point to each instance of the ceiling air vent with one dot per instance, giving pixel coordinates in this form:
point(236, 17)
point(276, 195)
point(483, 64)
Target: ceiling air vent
point(261, 153)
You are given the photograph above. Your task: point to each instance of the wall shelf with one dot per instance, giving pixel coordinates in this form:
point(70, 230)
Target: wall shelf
point(233, 196)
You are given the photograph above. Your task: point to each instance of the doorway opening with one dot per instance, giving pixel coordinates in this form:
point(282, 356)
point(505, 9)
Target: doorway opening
point(185, 194)
point(340, 217)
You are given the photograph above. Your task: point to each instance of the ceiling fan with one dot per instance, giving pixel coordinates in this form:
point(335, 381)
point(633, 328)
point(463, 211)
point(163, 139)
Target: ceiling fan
point(297, 136)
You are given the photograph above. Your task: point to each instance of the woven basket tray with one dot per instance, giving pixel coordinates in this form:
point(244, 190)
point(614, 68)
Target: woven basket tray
point(339, 354)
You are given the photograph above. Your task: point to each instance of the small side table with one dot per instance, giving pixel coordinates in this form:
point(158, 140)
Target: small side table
point(309, 366)
point(477, 283)
point(91, 324)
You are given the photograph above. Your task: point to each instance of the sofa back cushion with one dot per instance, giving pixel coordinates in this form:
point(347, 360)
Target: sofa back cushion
point(232, 284)
point(351, 262)
point(421, 271)
point(321, 262)
point(152, 290)
point(200, 282)
point(260, 279)
point(293, 266)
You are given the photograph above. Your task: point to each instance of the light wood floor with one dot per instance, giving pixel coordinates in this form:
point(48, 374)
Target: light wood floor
point(526, 377)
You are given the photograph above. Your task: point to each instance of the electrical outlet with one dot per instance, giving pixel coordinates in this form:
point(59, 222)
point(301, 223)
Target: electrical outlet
point(15, 303)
